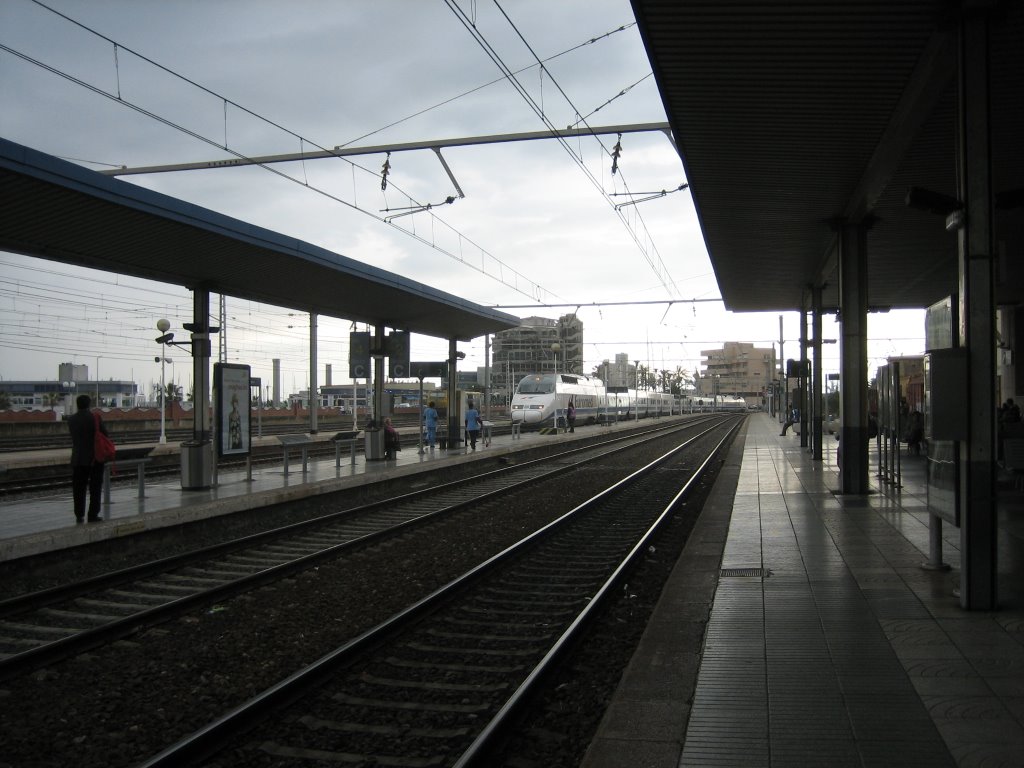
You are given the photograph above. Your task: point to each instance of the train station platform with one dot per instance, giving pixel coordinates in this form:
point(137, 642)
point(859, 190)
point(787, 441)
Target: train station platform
point(38, 524)
point(826, 642)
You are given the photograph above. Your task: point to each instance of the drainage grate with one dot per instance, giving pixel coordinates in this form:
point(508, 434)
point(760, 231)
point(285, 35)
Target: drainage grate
point(733, 572)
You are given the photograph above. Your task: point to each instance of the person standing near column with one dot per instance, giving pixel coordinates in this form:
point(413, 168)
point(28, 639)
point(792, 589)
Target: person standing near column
point(472, 424)
point(430, 420)
point(86, 474)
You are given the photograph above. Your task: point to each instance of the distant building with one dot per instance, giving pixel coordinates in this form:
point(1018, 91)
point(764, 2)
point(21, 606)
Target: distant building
point(537, 345)
point(73, 381)
point(621, 373)
point(739, 369)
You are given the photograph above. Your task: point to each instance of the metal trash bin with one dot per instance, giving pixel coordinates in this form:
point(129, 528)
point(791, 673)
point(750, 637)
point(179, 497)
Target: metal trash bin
point(196, 465)
point(374, 445)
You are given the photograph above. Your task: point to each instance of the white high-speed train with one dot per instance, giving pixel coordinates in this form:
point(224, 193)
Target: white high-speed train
point(540, 398)
point(705, 404)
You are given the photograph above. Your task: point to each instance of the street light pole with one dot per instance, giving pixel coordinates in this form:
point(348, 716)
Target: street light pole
point(636, 384)
point(162, 325)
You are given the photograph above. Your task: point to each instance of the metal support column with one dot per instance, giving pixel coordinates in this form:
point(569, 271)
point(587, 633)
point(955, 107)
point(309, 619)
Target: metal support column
point(816, 408)
point(783, 378)
point(197, 453)
point(313, 399)
point(454, 427)
point(377, 353)
point(853, 375)
point(487, 378)
point(978, 528)
point(804, 401)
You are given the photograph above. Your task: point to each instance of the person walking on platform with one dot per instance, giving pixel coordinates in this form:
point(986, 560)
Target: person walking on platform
point(430, 420)
point(570, 416)
point(86, 473)
point(472, 424)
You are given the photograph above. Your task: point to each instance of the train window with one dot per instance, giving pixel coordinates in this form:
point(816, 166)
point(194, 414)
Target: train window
point(537, 385)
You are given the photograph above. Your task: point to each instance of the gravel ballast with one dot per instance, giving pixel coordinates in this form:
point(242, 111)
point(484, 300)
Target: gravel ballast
point(118, 705)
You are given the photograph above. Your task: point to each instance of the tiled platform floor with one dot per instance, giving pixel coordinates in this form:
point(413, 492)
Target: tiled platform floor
point(847, 653)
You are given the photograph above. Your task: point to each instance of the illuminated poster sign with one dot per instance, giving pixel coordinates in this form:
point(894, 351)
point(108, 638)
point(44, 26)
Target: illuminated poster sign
point(232, 403)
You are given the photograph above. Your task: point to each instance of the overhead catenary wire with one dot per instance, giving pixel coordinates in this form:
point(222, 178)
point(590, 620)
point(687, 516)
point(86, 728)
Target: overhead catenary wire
point(126, 60)
point(657, 265)
point(521, 284)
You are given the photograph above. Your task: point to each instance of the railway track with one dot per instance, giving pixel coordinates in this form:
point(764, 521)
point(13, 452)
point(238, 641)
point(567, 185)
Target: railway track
point(442, 682)
point(44, 627)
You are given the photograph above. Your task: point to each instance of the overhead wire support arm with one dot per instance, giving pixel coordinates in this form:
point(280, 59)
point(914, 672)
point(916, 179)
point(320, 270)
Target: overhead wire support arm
point(444, 164)
point(411, 209)
point(650, 195)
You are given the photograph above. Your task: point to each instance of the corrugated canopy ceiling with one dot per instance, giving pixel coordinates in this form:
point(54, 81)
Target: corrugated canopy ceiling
point(791, 116)
point(57, 210)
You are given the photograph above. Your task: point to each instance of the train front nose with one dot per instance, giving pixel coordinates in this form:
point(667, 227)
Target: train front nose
point(533, 415)
point(528, 412)
point(527, 416)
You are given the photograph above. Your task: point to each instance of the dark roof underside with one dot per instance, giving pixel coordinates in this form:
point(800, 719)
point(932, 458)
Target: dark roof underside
point(57, 210)
point(790, 116)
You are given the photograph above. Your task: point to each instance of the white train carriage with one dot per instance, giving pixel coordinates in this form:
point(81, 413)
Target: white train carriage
point(541, 398)
point(708, 404)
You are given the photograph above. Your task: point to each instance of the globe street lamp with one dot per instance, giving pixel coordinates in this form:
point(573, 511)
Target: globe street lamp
point(555, 347)
point(163, 325)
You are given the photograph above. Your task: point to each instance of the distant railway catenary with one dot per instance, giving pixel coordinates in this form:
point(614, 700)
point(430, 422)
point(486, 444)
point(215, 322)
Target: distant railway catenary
point(541, 398)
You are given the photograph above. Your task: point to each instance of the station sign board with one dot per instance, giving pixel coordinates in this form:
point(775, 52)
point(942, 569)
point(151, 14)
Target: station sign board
point(433, 370)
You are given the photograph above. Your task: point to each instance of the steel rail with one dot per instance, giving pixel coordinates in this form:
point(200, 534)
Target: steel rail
point(210, 739)
point(485, 485)
point(503, 720)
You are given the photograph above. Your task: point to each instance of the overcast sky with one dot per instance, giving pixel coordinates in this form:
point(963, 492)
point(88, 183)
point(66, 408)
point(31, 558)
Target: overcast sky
point(537, 221)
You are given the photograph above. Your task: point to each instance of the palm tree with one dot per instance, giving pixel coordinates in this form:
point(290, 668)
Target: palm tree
point(170, 394)
point(51, 399)
point(173, 394)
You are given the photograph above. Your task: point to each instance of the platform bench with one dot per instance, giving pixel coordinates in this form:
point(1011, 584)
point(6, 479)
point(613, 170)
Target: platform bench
point(117, 464)
point(345, 438)
point(296, 441)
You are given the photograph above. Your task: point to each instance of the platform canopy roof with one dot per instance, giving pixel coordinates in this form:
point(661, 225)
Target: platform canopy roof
point(57, 210)
point(791, 116)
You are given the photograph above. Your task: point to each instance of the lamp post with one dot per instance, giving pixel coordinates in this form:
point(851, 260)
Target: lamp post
point(636, 390)
point(163, 325)
point(555, 347)
point(69, 400)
